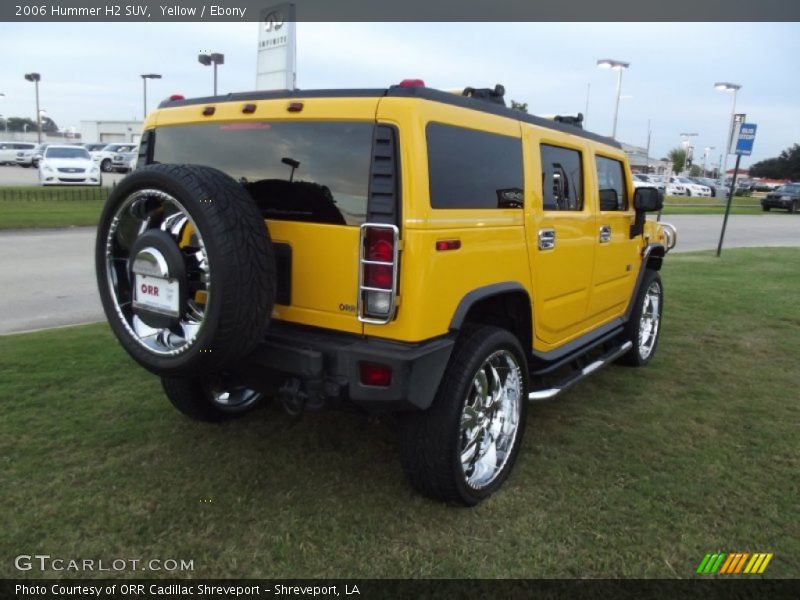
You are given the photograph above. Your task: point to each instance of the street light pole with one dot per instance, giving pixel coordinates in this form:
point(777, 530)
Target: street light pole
point(727, 86)
point(145, 77)
point(214, 58)
point(36, 78)
point(607, 63)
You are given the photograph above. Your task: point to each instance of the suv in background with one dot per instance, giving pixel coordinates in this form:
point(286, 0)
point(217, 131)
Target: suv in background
point(12, 152)
point(104, 158)
point(405, 250)
point(786, 196)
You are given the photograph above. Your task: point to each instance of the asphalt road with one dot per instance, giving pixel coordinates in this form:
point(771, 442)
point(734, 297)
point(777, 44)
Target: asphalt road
point(14, 175)
point(47, 276)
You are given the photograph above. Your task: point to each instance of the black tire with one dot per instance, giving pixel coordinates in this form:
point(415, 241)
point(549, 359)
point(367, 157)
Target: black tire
point(240, 259)
point(24, 166)
point(195, 398)
point(688, 192)
point(430, 441)
point(105, 165)
point(636, 357)
point(765, 208)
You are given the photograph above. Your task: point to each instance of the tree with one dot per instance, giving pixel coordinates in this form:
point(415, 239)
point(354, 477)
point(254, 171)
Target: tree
point(784, 166)
point(678, 157)
point(520, 106)
point(18, 124)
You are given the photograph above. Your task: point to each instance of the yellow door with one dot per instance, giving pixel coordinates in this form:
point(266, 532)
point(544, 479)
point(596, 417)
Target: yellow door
point(616, 261)
point(560, 240)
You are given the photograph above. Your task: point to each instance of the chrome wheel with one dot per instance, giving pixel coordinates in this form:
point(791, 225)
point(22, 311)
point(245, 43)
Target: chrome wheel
point(490, 418)
point(233, 399)
point(650, 320)
point(153, 239)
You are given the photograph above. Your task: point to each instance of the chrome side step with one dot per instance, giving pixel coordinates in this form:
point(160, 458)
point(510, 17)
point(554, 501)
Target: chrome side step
point(575, 377)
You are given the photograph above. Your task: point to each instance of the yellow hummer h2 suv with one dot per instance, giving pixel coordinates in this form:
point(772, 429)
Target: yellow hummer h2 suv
point(406, 249)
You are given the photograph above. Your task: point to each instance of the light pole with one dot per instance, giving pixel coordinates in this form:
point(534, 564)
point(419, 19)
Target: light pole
point(214, 58)
point(36, 78)
point(607, 63)
point(687, 144)
point(145, 77)
point(727, 86)
point(706, 152)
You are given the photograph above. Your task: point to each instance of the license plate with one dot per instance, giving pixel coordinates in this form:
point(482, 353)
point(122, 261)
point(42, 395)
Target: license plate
point(157, 294)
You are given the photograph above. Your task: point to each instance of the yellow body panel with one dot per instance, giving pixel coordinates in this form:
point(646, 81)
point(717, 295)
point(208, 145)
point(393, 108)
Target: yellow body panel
point(577, 287)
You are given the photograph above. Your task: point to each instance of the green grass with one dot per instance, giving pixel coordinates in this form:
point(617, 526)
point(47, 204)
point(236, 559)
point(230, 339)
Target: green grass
point(632, 473)
point(690, 205)
point(28, 207)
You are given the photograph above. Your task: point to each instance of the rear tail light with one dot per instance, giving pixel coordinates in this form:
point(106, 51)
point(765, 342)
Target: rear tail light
point(374, 374)
point(377, 293)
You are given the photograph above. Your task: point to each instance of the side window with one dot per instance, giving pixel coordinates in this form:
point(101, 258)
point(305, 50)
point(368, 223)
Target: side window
point(611, 181)
point(562, 178)
point(473, 169)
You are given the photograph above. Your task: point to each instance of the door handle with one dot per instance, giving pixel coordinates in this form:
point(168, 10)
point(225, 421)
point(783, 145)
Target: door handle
point(547, 239)
point(605, 234)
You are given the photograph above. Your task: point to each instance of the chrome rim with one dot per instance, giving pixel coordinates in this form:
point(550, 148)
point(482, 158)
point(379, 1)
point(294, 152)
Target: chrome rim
point(490, 418)
point(233, 399)
point(650, 320)
point(140, 212)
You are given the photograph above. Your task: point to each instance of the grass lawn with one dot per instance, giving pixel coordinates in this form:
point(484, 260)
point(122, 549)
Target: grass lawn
point(632, 473)
point(27, 207)
point(683, 205)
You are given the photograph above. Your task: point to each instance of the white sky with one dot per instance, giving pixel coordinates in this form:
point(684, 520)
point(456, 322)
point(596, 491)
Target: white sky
point(91, 71)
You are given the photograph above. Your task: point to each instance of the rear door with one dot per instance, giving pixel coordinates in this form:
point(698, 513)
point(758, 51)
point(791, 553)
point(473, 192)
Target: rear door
point(308, 171)
point(560, 240)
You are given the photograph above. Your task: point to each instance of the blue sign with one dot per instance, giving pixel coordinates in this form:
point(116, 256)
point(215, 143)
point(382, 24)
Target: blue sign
point(744, 142)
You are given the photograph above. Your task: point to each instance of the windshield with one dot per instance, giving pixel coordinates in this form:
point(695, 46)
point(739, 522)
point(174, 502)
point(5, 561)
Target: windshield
point(685, 180)
point(790, 189)
point(66, 153)
point(295, 171)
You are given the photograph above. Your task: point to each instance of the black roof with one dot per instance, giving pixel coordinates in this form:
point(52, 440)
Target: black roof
point(401, 92)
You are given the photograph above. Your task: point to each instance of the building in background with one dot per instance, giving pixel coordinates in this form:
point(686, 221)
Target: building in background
point(111, 131)
point(642, 163)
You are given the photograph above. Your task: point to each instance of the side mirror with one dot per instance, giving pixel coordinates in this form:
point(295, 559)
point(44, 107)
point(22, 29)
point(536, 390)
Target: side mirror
point(647, 199)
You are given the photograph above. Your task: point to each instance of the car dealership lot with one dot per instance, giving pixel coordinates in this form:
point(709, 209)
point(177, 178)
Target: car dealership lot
point(14, 175)
point(59, 286)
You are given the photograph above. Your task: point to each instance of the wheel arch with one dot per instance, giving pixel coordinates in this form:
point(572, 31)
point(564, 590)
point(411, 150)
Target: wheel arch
point(506, 304)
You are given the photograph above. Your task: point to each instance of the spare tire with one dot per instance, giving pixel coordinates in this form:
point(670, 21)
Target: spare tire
point(185, 269)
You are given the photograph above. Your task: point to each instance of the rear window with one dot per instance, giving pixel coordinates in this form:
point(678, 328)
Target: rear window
point(473, 169)
point(295, 171)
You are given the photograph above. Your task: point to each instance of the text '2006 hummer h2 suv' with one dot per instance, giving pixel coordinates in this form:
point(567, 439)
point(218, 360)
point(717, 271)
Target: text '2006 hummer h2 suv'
point(404, 249)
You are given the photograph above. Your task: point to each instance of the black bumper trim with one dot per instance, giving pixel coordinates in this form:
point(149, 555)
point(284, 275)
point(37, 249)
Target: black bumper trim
point(321, 356)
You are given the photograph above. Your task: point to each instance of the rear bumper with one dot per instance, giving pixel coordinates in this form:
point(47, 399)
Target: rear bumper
point(328, 364)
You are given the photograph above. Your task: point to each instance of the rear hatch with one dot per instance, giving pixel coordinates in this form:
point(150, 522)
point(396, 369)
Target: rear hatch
point(307, 164)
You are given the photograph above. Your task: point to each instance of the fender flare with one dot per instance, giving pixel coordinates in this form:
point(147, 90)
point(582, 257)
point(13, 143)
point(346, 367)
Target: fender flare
point(481, 293)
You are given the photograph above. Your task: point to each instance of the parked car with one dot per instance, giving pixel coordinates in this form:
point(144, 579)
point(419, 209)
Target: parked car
point(30, 156)
point(714, 186)
point(104, 158)
point(11, 151)
point(124, 162)
point(786, 196)
point(642, 180)
point(68, 165)
point(675, 187)
point(694, 189)
point(94, 146)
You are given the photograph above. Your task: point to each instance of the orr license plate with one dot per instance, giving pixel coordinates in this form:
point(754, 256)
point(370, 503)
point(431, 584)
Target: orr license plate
point(157, 294)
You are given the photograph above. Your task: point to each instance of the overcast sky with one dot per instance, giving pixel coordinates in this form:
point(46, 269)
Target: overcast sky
point(91, 71)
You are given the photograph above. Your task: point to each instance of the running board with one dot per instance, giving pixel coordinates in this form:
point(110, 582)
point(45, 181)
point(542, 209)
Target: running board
point(610, 356)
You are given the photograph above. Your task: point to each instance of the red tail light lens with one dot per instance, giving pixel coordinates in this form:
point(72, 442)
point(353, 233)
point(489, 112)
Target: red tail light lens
point(177, 97)
point(378, 276)
point(375, 375)
point(412, 83)
point(380, 245)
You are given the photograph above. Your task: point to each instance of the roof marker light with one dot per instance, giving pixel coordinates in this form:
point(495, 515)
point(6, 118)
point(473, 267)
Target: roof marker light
point(412, 83)
point(177, 97)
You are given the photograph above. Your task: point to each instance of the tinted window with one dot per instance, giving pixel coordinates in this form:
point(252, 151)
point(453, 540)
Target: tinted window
point(295, 171)
point(473, 169)
point(611, 182)
point(562, 178)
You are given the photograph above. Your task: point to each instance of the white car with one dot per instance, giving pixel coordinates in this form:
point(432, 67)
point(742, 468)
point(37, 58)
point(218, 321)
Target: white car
point(675, 187)
point(11, 152)
point(68, 165)
point(641, 180)
point(694, 189)
point(104, 158)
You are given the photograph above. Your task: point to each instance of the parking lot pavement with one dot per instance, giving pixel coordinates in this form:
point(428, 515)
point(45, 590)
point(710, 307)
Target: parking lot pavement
point(47, 279)
point(13, 175)
point(47, 276)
